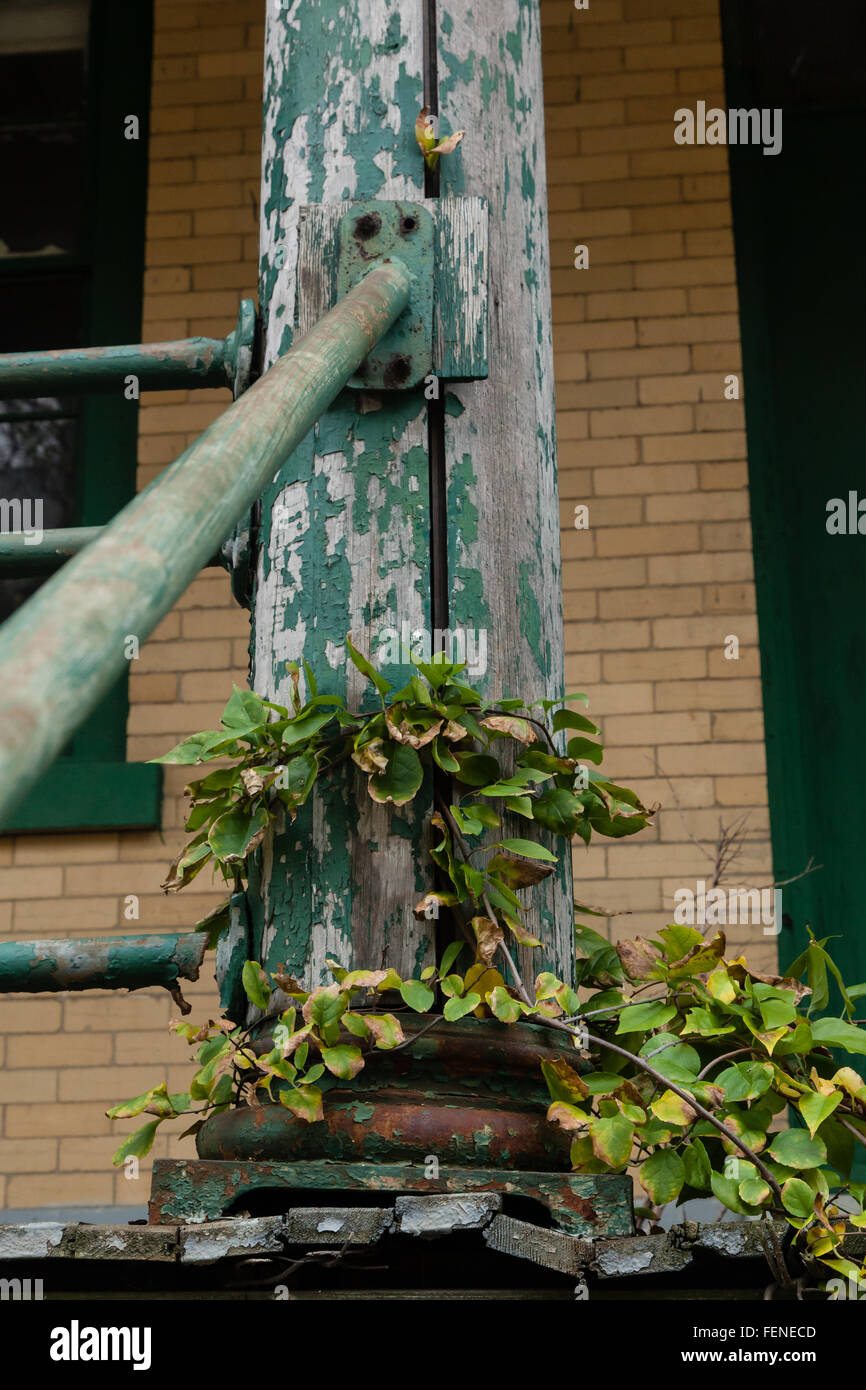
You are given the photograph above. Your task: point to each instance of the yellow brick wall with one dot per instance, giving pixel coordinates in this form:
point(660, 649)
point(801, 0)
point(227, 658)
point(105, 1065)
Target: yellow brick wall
point(643, 341)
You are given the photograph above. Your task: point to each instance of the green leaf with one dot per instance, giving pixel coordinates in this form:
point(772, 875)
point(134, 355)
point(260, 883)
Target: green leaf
point(244, 713)
point(476, 769)
point(584, 748)
point(520, 806)
point(256, 985)
point(670, 1052)
point(745, 1080)
point(796, 1149)
point(833, 1032)
point(208, 744)
point(612, 1140)
point(755, 1190)
point(128, 1109)
point(458, 1008)
point(325, 1009)
point(344, 1060)
point(558, 810)
point(727, 1190)
point(679, 940)
point(696, 1166)
point(306, 1103)
point(706, 1023)
point(671, 1109)
point(503, 1006)
point(137, 1144)
point(366, 668)
point(398, 782)
point(305, 726)
point(298, 779)
point(798, 1198)
point(443, 756)
point(417, 995)
point(530, 849)
point(816, 1108)
point(231, 834)
point(484, 814)
point(662, 1176)
point(386, 1030)
point(638, 1017)
point(564, 1083)
point(568, 719)
point(449, 955)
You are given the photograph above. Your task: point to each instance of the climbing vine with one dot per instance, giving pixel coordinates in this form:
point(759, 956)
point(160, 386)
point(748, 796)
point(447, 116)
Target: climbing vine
point(706, 1077)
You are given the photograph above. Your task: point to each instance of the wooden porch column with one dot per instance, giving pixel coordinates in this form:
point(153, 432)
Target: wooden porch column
point(433, 514)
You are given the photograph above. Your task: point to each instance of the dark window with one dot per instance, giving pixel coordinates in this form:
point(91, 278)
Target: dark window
point(71, 270)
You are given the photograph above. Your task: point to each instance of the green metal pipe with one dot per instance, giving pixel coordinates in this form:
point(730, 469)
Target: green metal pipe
point(188, 363)
point(110, 962)
point(23, 554)
point(24, 558)
point(63, 649)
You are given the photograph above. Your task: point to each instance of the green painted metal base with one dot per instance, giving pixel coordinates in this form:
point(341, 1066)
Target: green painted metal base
point(584, 1204)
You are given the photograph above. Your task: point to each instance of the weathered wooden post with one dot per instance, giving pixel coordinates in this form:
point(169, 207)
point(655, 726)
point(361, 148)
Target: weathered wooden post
point(404, 512)
point(416, 503)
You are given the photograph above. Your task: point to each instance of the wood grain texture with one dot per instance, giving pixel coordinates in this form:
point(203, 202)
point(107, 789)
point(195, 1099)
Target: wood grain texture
point(343, 544)
point(504, 551)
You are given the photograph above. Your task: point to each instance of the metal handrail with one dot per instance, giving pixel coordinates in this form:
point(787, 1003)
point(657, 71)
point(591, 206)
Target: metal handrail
point(190, 362)
point(62, 650)
point(23, 555)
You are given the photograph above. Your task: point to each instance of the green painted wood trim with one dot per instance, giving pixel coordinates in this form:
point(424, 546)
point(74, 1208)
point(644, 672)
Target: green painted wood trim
point(66, 647)
point(90, 796)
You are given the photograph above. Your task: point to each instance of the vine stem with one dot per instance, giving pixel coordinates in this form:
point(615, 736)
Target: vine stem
point(851, 1130)
point(639, 1062)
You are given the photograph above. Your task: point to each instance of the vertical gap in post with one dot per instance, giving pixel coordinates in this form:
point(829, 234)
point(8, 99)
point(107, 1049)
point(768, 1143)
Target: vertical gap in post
point(446, 928)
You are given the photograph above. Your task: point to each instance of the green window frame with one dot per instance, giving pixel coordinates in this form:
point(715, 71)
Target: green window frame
point(92, 786)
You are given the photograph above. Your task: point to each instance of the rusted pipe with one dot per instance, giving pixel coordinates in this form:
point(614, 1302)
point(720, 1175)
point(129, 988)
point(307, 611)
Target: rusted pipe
point(106, 962)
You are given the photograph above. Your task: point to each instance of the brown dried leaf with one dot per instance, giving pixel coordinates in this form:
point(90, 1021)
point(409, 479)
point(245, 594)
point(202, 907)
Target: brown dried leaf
point(639, 957)
point(449, 145)
point(512, 725)
point(370, 758)
point(287, 983)
point(253, 780)
point(489, 937)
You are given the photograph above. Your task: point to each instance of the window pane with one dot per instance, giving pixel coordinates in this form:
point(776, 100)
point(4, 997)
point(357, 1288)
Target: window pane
point(38, 437)
point(42, 129)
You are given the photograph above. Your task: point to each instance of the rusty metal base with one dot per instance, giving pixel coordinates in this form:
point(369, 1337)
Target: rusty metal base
point(198, 1190)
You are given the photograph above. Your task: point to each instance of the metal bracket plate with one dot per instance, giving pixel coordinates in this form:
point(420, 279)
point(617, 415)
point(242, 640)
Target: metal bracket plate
point(459, 278)
point(374, 231)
